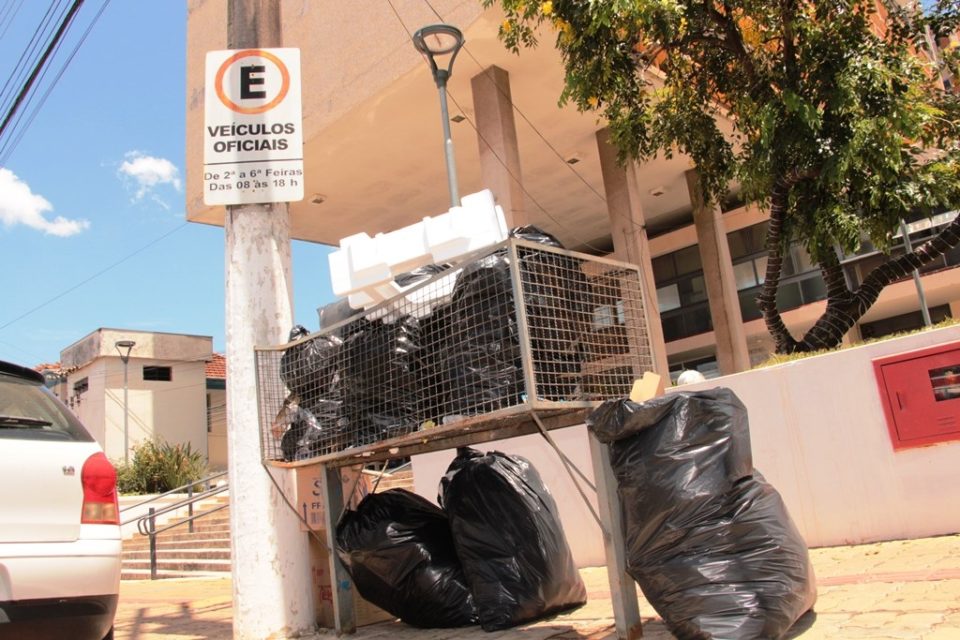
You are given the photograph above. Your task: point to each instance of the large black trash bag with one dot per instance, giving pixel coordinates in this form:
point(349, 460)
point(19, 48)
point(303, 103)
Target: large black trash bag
point(708, 540)
point(483, 364)
point(309, 368)
point(508, 536)
point(398, 549)
point(379, 385)
point(334, 313)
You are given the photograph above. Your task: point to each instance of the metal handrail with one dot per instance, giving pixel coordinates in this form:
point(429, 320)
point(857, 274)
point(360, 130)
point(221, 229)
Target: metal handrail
point(205, 480)
point(188, 502)
point(147, 524)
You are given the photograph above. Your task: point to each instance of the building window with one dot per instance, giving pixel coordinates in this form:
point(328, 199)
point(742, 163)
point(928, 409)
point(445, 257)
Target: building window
point(81, 386)
point(905, 322)
point(160, 374)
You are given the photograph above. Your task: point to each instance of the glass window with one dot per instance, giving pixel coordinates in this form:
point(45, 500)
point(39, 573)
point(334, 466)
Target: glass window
point(28, 411)
point(743, 273)
point(663, 268)
point(688, 260)
point(668, 298)
point(813, 289)
point(946, 382)
point(761, 268)
point(161, 374)
point(748, 305)
point(788, 296)
point(672, 327)
point(738, 242)
point(692, 290)
point(802, 259)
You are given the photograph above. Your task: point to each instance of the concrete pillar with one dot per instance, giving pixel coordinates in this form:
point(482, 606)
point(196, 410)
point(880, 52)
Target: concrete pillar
point(732, 352)
point(272, 596)
point(497, 137)
point(622, 189)
point(271, 569)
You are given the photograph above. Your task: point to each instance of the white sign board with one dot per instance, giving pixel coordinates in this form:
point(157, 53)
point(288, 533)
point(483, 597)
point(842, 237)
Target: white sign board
point(253, 127)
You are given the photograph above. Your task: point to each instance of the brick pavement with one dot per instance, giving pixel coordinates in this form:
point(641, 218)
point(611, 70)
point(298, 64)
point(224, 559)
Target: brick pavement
point(906, 589)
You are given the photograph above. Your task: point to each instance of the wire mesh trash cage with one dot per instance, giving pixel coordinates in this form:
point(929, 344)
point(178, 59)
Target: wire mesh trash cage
point(523, 324)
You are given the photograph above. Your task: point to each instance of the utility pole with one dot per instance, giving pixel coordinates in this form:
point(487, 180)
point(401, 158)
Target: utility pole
point(272, 596)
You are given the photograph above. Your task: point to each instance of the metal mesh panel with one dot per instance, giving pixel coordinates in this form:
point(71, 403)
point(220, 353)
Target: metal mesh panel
point(523, 325)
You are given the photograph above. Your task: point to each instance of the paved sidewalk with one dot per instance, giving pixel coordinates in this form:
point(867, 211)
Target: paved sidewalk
point(906, 589)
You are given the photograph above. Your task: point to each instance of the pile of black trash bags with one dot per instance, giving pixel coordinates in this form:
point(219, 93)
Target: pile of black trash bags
point(494, 554)
point(707, 539)
point(371, 380)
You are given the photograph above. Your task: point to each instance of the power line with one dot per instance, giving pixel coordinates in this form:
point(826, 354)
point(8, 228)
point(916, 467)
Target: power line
point(25, 60)
point(95, 275)
point(7, 149)
point(12, 17)
point(64, 24)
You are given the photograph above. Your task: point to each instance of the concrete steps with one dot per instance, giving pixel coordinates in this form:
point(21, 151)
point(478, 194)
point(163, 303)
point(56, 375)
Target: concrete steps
point(205, 552)
point(181, 554)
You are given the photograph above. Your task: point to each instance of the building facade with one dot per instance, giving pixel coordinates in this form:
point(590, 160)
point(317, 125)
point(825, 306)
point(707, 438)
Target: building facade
point(374, 162)
point(159, 390)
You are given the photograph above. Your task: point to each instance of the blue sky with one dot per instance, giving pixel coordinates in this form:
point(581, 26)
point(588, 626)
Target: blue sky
point(92, 225)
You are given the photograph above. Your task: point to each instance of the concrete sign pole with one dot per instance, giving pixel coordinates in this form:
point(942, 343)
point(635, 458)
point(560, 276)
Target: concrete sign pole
point(272, 595)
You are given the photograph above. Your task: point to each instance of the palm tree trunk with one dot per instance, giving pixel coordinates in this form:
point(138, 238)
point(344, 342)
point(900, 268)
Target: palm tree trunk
point(767, 300)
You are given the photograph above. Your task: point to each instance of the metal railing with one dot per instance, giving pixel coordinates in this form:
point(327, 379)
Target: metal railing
point(147, 524)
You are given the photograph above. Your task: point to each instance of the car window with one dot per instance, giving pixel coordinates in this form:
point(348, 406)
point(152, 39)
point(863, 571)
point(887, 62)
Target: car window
point(28, 411)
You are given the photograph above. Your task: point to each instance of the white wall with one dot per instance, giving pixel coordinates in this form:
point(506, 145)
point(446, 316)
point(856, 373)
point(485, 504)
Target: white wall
point(818, 435)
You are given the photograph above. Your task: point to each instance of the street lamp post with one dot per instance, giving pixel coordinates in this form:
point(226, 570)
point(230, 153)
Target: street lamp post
point(125, 356)
point(433, 41)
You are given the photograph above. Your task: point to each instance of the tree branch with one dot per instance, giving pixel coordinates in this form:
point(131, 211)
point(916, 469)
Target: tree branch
point(902, 266)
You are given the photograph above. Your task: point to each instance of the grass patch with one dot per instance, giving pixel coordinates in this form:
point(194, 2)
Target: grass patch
point(781, 358)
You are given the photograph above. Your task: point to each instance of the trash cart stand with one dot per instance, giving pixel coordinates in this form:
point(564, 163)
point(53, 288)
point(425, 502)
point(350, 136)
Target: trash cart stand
point(472, 431)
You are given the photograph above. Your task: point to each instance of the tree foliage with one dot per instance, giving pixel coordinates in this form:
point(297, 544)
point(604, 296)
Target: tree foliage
point(826, 113)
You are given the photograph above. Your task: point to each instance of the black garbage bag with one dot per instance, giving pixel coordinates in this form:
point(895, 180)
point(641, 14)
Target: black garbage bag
point(378, 381)
point(333, 313)
point(508, 537)
point(309, 368)
point(707, 539)
point(398, 549)
point(483, 366)
point(433, 380)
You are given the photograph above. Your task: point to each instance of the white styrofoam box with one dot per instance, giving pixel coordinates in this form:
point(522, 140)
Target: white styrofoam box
point(403, 249)
point(357, 265)
point(363, 269)
point(478, 222)
point(419, 303)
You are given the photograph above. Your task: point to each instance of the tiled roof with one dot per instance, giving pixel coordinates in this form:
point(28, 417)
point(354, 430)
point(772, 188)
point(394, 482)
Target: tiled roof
point(217, 366)
point(52, 366)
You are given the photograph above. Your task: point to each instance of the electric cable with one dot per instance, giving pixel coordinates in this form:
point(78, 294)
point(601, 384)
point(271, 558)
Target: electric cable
point(8, 151)
point(92, 277)
point(25, 61)
point(61, 29)
point(11, 18)
point(500, 160)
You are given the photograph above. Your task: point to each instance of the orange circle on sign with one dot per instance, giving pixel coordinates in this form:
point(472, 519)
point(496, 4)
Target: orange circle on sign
point(260, 53)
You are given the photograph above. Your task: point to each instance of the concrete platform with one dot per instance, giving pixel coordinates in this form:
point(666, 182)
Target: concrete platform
point(904, 589)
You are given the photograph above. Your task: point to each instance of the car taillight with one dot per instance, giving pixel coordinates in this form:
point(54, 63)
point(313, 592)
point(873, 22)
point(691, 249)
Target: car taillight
point(99, 480)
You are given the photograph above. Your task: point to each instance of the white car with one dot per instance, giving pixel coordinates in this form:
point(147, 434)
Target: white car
point(59, 526)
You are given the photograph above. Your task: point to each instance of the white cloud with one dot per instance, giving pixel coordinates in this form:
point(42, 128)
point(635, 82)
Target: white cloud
point(149, 172)
point(20, 205)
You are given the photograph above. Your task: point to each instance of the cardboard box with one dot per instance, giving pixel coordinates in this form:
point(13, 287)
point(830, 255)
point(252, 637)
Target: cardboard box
point(364, 612)
point(309, 496)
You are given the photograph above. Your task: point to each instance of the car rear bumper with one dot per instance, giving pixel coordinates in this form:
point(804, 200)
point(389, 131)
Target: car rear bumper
point(50, 570)
point(80, 618)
